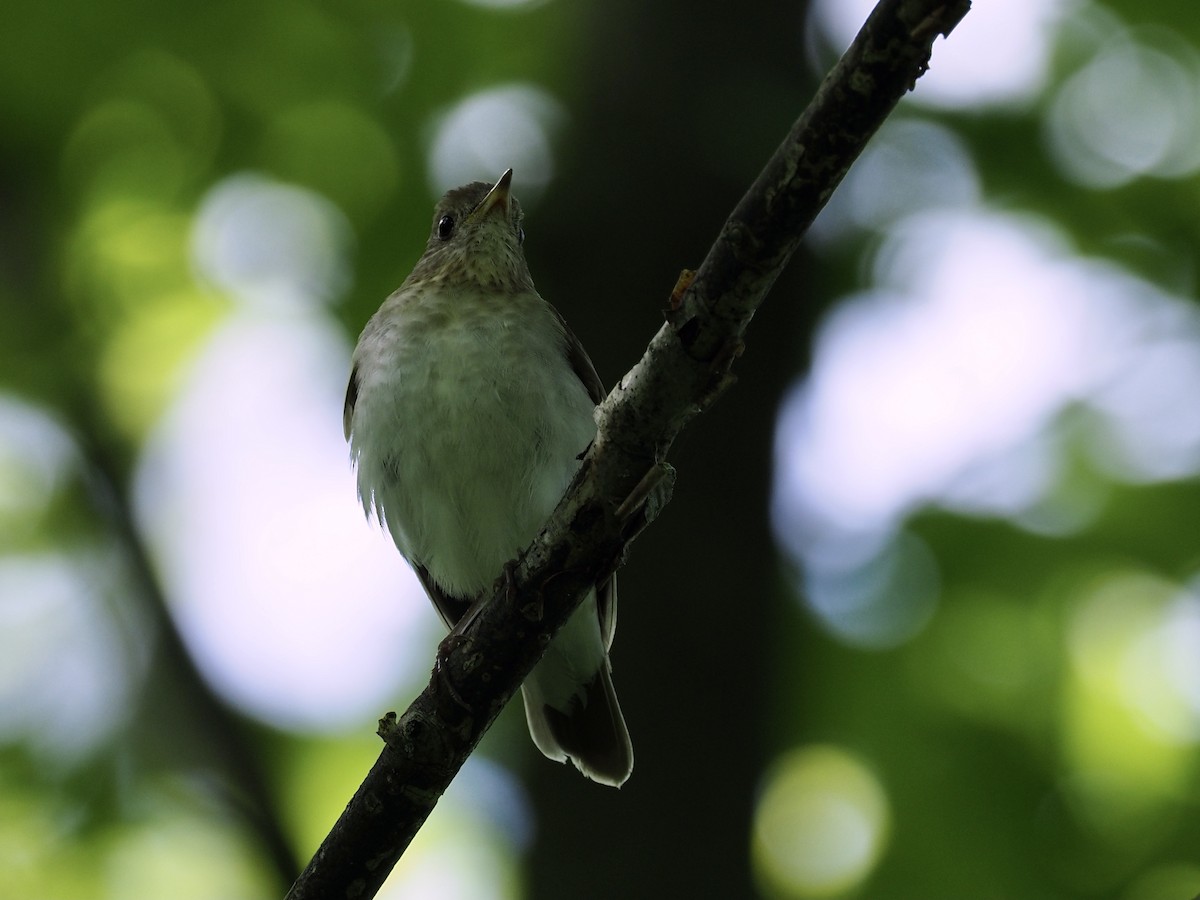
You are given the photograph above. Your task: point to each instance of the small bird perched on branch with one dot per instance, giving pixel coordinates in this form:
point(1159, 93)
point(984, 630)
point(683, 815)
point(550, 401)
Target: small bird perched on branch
point(469, 404)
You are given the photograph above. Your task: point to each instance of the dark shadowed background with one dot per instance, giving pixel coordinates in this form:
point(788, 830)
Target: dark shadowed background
point(923, 618)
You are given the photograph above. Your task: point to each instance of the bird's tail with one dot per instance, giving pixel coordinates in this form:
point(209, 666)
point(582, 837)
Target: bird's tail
point(590, 731)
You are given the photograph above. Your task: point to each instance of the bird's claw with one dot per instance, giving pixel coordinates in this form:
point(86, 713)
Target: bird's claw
point(533, 610)
point(646, 500)
point(441, 667)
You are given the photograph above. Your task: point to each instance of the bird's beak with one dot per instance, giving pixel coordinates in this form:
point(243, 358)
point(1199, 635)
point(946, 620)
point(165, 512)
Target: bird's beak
point(497, 198)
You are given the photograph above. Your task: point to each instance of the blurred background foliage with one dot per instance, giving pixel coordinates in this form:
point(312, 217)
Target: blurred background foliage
point(924, 617)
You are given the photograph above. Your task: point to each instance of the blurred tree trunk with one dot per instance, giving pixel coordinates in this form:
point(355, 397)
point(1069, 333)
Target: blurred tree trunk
point(655, 169)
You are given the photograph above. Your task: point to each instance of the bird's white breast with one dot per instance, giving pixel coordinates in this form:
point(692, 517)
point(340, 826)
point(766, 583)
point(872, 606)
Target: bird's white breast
point(467, 428)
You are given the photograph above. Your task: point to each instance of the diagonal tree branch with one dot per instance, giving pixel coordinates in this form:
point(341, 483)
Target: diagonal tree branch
point(623, 480)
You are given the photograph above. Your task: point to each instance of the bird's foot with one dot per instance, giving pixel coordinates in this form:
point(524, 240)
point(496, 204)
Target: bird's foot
point(532, 611)
point(646, 500)
point(442, 666)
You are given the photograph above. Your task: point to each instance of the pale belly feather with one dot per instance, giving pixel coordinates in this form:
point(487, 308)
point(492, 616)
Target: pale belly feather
point(476, 426)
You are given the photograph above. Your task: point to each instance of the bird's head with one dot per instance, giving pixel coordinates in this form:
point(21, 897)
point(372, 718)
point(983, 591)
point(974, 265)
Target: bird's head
point(476, 239)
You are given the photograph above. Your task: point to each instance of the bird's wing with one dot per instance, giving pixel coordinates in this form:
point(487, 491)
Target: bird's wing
point(581, 362)
point(451, 609)
point(351, 399)
point(606, 608)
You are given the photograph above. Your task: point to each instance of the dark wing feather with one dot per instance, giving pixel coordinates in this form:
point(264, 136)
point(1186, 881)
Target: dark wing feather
point(451, 609)
point(606, 608)
point(351, 399)
point(580, 362)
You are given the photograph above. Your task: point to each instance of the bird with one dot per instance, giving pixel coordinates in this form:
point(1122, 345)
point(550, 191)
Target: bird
point(469, 406)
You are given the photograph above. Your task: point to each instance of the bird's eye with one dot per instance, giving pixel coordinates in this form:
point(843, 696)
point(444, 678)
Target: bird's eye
point(520, 235)
point(445, 227)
